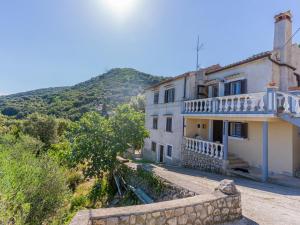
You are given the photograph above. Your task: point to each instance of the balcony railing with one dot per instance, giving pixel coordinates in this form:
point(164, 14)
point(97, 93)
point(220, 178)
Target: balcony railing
point(245, 103)
point(208, 148)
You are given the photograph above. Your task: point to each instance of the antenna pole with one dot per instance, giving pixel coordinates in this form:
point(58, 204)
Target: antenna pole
point(199, 47)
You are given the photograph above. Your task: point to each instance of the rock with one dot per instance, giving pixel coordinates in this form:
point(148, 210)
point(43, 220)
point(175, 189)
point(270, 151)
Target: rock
point(227, 187)
point(172, 221)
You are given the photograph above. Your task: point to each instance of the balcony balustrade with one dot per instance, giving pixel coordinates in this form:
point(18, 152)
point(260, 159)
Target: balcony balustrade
point(245, 103)
point(208, 148)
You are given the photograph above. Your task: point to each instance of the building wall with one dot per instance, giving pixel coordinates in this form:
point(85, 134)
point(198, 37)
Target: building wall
point(162, 110)
point(280, 146)
point(258, 74)
point(191, 128)
point(296, 57)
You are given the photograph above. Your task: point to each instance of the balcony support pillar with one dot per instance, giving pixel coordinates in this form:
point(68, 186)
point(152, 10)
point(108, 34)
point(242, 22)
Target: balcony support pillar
point(225, 139)
point(265, 158)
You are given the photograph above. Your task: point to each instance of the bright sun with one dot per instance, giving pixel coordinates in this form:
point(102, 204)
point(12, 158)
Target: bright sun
point(120, 8)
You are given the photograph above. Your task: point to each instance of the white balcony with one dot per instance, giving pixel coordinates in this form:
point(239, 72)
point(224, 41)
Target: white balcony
point(245, 103)
point(212, 149)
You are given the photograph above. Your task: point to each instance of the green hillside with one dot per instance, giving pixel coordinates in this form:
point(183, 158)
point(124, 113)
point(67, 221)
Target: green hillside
point(102, 92)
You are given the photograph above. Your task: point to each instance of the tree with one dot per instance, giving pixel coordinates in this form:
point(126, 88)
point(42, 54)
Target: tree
point(42, 127)
point(138, 103)
point(128, 126)
point(32, 189)
point(93, 144)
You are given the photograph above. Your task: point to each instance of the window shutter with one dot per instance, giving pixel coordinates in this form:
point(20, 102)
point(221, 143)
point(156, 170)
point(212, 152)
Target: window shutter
point(173, 95)
point(244, 86)
point(245, 130)
point(227, 89)
point(166, 96)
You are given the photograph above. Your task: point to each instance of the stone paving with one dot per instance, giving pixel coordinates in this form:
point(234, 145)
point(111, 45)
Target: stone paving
point(262, 203)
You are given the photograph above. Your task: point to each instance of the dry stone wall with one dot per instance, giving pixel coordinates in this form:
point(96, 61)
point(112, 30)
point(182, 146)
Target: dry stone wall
point(204, 162)
point(223, 205)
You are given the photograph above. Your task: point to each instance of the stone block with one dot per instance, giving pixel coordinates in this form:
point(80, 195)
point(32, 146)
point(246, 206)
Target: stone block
point(172, 221)
point(182, 220)
point(227, 187)
point(179, 212)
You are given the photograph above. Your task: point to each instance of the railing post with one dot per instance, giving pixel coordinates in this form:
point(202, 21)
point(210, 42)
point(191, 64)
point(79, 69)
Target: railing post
point(272, 99)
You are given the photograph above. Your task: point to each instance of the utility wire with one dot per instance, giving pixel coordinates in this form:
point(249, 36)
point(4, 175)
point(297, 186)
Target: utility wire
point(291, 37)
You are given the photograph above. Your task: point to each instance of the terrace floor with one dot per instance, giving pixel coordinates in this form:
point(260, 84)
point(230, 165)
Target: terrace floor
point(262, 203)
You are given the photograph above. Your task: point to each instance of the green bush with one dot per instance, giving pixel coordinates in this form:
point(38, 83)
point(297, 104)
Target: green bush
point(78, 202)
point(32, 189)
point(73, 179)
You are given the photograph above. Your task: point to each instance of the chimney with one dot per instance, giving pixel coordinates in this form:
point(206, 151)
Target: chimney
point(282, 35)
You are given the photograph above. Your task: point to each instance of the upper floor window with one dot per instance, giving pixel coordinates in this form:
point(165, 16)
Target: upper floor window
point(236, 87)
point(237, 129)
point(155, 123)
point(169, 124)
point(169, 150)
point(201, 91)
point(156, 98)
point(153, 146)
point(170, 95)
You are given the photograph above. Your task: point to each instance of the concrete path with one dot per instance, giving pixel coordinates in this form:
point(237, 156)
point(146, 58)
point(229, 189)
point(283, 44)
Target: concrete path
point(262, 203)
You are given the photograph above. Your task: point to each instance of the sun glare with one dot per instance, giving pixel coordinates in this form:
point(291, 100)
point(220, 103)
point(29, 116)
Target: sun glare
point(121, 8)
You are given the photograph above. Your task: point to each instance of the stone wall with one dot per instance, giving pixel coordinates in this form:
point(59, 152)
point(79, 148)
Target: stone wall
point(200, 161)
point(223, 205)
point(142, 177)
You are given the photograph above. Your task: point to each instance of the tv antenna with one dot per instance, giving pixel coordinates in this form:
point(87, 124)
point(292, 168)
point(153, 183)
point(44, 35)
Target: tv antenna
point(199, 47)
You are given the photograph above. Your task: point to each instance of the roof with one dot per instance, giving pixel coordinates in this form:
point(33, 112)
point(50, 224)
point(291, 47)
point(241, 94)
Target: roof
point(250, 59)
point(168, 80)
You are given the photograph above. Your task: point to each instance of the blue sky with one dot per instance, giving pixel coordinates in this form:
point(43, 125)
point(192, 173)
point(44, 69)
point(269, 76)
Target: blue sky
point(46, 43)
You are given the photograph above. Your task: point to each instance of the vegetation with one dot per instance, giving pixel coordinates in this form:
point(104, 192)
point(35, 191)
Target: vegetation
point(102, 93)
point(58, 146)
point(50, 168)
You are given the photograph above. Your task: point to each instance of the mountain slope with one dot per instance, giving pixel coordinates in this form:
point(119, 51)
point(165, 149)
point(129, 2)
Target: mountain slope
point(106, 90)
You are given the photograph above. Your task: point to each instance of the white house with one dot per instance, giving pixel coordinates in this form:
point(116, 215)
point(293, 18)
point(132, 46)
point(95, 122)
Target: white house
point(241, 117)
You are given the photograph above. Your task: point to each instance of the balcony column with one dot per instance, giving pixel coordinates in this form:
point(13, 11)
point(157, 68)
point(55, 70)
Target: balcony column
point(225, 139)
point(210, 130)
point(265, 166)
point(271, 99)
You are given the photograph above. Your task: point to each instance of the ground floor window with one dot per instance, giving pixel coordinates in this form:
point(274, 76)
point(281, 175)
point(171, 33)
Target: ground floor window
point(169, 150)
point(237, 129)
point(154, 123)
point(153, 146)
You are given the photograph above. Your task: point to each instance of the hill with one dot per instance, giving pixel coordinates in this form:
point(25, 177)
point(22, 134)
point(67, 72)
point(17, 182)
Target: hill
point(102, 92)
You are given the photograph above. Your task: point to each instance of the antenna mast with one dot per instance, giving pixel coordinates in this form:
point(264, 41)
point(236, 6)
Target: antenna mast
point(199, 47)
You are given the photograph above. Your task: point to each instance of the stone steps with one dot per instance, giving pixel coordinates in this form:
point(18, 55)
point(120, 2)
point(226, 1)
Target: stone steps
point(237, 163)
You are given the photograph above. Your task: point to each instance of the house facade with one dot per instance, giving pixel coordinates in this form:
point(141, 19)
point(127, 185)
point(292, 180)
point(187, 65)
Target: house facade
point(241, 118)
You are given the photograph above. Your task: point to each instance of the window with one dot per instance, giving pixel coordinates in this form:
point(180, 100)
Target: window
point(156, 98)
point(215, 91)
point(169, 124)
point(169, 150)
point(155, 122)
point(236, 87)
point(201, 91)
point(170, 95)
point(153, 146)
point(239, 130)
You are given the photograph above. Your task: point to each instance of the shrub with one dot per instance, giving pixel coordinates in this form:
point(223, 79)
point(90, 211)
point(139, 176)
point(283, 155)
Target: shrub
point(32, 189)
point(78, 202)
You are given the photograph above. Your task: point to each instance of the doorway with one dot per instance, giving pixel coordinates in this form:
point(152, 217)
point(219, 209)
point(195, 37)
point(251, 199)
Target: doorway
point(161, 153)
point(218, 131)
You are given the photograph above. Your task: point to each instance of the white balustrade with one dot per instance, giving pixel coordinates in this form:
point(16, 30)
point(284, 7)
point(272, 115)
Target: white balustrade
point(288, 103)
point(228, 104)
point(208, 148)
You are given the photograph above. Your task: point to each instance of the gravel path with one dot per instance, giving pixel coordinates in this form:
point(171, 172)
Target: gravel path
point(262, 203)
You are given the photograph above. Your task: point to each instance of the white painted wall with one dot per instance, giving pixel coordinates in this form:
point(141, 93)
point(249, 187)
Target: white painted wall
point(258, 74)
